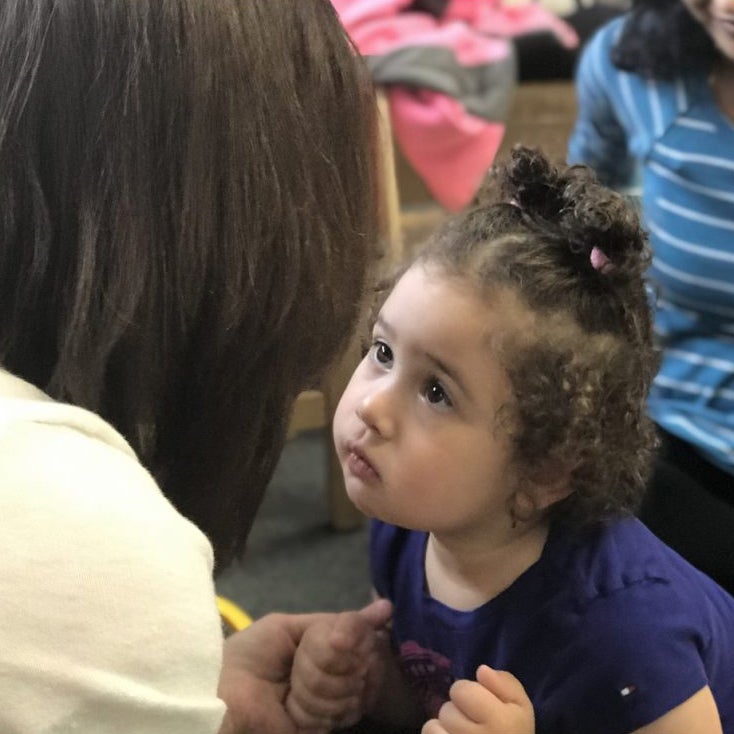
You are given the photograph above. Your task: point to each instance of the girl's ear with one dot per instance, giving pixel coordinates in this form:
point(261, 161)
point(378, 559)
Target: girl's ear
point(549, 495)
point(552, 484)
point(546, 486)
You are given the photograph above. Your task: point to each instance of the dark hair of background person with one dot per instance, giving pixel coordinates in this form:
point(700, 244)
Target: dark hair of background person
point(661, 39)
point(580, 377)
point(186, 218)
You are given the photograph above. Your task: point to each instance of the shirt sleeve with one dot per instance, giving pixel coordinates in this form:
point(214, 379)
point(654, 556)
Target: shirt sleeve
point(599, 138)
point(109, 622)
point(635, 654)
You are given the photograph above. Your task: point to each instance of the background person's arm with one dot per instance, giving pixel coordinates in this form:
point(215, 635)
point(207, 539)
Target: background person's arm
point(599, 138)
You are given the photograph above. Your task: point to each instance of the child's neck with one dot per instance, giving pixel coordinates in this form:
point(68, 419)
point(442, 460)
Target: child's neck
point(464, 574)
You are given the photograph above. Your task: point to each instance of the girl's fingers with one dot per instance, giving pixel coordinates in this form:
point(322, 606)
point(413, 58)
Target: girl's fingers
point(502, 684)
point(308, 679)
point(433, 726)
point(377, 614)
point(476, 702)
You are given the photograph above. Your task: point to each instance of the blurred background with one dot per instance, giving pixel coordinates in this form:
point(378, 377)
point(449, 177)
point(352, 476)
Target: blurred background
point(295, 561)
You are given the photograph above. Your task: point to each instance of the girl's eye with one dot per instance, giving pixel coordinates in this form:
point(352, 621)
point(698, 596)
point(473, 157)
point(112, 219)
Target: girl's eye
point(436, 395)
point(383, 353)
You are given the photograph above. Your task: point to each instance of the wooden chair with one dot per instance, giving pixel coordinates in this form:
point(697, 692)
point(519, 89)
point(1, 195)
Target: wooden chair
point(314, 409)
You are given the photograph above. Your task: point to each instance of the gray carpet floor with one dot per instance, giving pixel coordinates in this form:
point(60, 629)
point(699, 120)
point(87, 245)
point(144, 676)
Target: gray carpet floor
point(294, 561)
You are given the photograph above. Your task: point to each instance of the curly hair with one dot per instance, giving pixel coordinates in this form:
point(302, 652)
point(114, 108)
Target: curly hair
point(660, 39)
point(580, 376)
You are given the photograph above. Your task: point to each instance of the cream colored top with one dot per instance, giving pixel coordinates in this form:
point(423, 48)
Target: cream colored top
point(108, 621)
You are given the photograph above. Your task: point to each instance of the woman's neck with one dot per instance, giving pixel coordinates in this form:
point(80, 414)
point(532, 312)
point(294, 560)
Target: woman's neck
point(722, 84)
point(464, 574)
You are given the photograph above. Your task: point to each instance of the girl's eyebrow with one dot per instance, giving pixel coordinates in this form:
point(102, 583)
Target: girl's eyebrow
point(449, 372)
point(384, 326)
point(440, 365)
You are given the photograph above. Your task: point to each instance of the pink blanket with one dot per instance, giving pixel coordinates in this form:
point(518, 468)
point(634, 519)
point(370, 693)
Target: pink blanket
point(450, 80)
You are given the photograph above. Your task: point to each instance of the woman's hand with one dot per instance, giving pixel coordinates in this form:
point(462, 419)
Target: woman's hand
point(257, 665)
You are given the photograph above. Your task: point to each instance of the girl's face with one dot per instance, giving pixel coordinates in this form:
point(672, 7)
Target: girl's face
point(717, 17)
point(416, 430)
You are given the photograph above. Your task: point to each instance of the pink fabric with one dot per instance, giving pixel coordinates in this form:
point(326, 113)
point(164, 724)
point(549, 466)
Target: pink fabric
point(374, 36)
point(450, 148)
point(491, 16)
point(354, 13)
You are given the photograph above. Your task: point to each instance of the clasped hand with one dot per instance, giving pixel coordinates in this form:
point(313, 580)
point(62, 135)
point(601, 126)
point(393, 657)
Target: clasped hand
point(314, 673)
point(337, 678)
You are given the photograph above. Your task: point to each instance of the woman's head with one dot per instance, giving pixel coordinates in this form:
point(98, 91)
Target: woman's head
point(716, 17)
point(664, 38)
point(187, 219)
point(573, 254)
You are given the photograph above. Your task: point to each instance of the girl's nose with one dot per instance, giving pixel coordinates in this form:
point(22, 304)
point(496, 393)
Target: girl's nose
point(375, 411)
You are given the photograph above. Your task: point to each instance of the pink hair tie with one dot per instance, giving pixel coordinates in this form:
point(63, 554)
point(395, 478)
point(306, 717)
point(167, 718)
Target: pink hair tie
point(600, 262)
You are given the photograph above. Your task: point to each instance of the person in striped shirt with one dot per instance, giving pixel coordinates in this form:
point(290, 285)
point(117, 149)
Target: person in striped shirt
point(655, 92)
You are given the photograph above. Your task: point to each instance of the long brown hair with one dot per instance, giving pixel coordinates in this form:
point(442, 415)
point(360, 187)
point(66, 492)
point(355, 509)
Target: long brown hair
point(186, 219)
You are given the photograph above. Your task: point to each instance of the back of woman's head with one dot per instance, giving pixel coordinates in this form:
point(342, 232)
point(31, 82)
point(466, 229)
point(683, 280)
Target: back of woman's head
point(574, 253)
point(660, 39)
point(187, 215)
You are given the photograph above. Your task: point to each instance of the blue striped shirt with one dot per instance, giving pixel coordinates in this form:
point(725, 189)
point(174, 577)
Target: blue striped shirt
point(675, 137)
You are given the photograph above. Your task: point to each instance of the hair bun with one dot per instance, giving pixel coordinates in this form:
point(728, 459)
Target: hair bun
point(531, 184)
point(568, 206)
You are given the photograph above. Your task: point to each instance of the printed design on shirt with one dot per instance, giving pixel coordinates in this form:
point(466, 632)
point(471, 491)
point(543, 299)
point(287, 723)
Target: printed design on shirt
point(430, 674)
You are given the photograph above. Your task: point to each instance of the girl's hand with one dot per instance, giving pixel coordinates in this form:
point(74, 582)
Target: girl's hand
point(496, 703)
point(337, 669)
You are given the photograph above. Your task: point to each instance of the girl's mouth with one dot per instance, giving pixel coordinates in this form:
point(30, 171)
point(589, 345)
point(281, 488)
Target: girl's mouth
point(359, 466)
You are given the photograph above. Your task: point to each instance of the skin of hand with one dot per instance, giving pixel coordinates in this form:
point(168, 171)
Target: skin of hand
point(496, 703)
point(256, 669)
point(338, 669)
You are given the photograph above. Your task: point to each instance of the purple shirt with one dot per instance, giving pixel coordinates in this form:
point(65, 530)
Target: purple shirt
point(607, 631)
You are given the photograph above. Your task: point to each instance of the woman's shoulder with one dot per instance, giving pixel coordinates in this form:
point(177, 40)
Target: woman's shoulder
point(604, 38)
point(68, 475)
point(99, 573)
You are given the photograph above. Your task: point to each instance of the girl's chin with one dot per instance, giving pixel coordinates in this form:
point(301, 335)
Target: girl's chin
point(357, 497)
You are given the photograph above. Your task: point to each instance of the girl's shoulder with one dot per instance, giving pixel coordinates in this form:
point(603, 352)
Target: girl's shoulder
point(617, 554)
point(641, 628)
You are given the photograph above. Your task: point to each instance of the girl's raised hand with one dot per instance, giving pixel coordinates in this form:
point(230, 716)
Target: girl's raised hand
point(496, 703)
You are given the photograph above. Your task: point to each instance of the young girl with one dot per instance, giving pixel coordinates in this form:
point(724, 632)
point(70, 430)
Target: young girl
point(655, 94)
point(497, 433)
